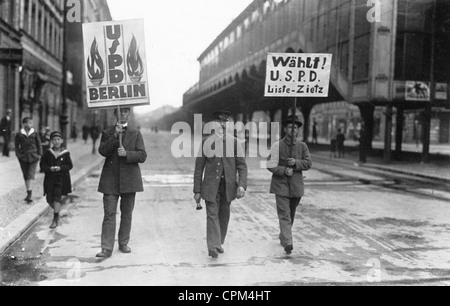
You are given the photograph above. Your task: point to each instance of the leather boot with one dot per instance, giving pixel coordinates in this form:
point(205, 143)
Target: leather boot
point(55, 221)
point(29, 199)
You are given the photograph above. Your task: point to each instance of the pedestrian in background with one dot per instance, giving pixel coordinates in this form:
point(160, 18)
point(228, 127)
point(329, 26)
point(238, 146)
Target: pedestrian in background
point(95, 134)
point(315, 133)
point(56, 163)
point(85, 132)
point(215, 181)
point(288, 160)
point(121, 179)
point(340, 140)
point(5, 131)
point(74, 132)
point(333, 146)
point(45, 141)
point(28, 151)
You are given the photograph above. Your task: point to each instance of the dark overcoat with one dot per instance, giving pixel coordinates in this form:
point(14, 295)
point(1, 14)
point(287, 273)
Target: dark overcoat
point(28, 147)
point(209, 168)
point(51, 159)
point(5, 127)
point(282, 185)
point(122, 175)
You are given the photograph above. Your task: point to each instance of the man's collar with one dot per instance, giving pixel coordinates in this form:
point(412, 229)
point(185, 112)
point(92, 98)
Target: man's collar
point(288, 140)
point(124, 125)
point(25, 132)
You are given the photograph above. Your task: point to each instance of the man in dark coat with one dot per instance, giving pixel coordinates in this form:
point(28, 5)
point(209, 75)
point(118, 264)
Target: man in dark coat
point(121, 178)
point(5, 130)
point(289, 158)
point(28, 151)
point(215, 180)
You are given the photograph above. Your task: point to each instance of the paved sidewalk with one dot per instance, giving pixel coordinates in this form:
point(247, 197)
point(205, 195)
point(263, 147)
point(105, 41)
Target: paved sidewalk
point(15, 215)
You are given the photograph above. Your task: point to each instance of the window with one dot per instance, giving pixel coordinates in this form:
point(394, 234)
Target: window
point(7, 10)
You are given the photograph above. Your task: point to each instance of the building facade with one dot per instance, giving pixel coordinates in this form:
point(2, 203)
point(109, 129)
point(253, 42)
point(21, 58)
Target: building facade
point(390, 64)
point(79, 114)
point(10, 58)
point(31, 62)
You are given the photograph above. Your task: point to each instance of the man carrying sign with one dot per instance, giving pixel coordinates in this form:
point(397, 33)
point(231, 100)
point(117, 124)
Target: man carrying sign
point(121, 178)
point(289, 158)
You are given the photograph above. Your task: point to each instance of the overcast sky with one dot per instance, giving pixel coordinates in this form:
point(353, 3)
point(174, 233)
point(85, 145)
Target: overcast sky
point(177, 32)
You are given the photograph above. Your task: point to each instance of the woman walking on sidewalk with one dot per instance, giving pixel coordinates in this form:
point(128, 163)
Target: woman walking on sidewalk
point(28, 151)
point(56, 163)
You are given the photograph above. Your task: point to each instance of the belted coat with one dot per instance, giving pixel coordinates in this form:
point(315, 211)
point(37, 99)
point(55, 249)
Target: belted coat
point(122, 175)
point(220, 157)
point(282, 185)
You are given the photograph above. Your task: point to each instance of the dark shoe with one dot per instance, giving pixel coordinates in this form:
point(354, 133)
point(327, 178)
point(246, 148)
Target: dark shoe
point(125, 249)
point(104, 254)
point(29, 197)
point(55, 221)
point(214, 254)
point(220, 250)
point(289, 249)
point(54, 224)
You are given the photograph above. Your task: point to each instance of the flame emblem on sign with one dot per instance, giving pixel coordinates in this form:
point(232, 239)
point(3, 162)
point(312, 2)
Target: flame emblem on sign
point(134, 62)
point(95, 65)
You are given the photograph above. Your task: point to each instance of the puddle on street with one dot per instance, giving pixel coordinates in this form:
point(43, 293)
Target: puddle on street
point(20, 271)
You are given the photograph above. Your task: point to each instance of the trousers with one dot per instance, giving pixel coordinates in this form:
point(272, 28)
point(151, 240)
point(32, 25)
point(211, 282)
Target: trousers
point(110, 203)
point(286, 209)
point(7, 139)
point(218, 219)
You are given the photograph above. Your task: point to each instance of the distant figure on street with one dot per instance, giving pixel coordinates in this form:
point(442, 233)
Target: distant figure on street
point(45, 141)
point(121, 179)
point(74, 132)
point(315, 134)
point(95, 134)
point(28, 151)
point(363, 147)
point(333, 146)
point(215, 181)
point(5, 131)
point(340, 140)
point(287, 163)
point(56, 164)
point(85, 132)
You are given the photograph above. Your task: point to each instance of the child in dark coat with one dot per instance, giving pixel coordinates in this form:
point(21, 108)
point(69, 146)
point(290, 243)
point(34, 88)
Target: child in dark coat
point(56, 163)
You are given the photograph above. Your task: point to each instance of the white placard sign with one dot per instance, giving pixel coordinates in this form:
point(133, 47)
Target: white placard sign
point(115, 64)
point(298, 75)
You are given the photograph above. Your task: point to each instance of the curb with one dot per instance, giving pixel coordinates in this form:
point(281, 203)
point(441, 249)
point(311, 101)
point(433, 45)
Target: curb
point(392, 170)
point(424, 176)
point(18, 227)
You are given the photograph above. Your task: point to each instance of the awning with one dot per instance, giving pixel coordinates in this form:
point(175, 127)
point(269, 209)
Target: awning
point(11, 56)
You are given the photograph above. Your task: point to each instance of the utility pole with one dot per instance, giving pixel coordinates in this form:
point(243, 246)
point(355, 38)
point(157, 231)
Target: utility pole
point(64, 118)
point(428, 108)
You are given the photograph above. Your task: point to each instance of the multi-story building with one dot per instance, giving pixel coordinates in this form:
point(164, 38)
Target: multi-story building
point(390, 64)
point(31, 61)
point(10, 58)
point(91, 11)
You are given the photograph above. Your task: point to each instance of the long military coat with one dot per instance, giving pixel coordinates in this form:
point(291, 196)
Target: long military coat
point(122, 175)
point(215, 162)
point(282, 185)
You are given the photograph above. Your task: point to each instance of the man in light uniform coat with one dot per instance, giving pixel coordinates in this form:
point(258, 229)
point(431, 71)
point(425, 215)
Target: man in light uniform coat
point(215, 180)
point(287, 166)
point(121, 178)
